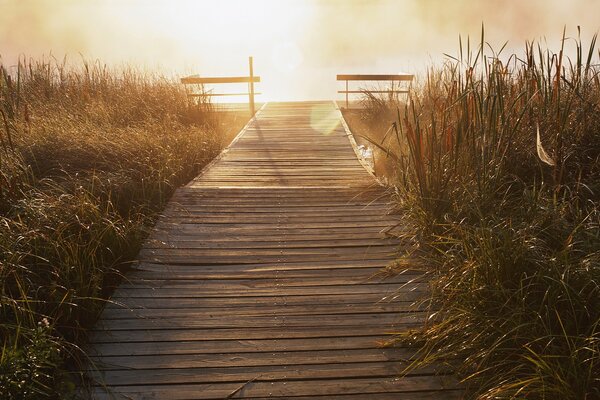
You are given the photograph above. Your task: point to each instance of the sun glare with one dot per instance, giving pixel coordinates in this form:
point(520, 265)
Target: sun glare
point(298, 45)
point(216, 38)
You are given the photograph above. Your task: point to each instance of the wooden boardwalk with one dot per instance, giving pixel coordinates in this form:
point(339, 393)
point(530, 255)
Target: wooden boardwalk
point(260, 280)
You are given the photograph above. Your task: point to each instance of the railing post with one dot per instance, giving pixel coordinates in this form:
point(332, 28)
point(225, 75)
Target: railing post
point(251, 94)
point(346, 93)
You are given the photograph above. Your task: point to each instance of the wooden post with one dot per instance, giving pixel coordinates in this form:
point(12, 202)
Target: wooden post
point(251, 94)
point(346, 94)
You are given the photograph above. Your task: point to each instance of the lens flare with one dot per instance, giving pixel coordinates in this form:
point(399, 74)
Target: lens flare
point(324, 119)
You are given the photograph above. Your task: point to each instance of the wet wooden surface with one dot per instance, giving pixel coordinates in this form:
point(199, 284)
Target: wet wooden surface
point(262, 279)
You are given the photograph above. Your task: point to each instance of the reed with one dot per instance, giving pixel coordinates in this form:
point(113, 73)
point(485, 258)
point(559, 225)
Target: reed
point(497, 164)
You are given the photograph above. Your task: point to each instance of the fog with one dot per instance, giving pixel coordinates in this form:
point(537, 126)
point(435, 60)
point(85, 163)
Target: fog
point(298, 46)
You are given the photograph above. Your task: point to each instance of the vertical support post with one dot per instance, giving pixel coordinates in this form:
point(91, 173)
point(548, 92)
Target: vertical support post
point(408, 92)
point(251, 91)
point(346, 93)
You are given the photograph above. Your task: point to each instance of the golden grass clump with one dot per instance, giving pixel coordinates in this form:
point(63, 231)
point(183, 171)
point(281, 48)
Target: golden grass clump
point(88, 155)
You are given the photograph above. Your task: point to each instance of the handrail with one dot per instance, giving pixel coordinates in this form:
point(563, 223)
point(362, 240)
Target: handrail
point(195, 79)
point(201, 80)
point(375, 77)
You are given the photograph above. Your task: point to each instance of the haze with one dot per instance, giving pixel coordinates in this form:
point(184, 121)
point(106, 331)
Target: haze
point(298, 46)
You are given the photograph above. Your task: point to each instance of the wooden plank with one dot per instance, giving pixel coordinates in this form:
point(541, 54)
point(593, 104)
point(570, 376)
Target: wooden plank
point(248, 359)
point(192, 80)
point(335, 194)
point(297, 210)
point(373, 91)
point(256, 301)
point(285, 220)
point(265, 321)
point(162, 272)
point(266, 373)
point(445, 394)
point(375, 77)
point(282, 225)
point(293, 193)
point(282, 310)
point(385, 249)
point(269, 233)
point(422, 395)
point(270, 281)
point(143, 275)
point(239, 346)
point(410, 292)
point(210, 94)
point(199, 240)
point(273, 267)
point(291, 388)
point(177, 259)
point(250, 333)
point(278, 239)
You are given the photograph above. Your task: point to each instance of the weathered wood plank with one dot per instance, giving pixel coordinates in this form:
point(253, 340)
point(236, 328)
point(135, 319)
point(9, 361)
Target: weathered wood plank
point(410, 292)
point(240, 302)
point(266, 373)
point(247, 359)
point(248, 333)
point(285, 310)
point(263, 321)
point(287, 266)
point(162, 272)
point(291, 388)
point(239, 346)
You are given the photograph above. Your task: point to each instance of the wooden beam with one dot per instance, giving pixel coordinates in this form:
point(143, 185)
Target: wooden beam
point(359, 77)
point(251, 87)
point(373, 91)
point(347, 93)
point(218, 94)
point(222, 79)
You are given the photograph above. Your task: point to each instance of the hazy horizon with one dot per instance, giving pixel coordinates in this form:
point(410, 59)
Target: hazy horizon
point(298, 46)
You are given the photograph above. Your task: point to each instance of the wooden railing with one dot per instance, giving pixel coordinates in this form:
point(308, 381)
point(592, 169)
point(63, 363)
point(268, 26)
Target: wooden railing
point(250, 79)
point(400, 78)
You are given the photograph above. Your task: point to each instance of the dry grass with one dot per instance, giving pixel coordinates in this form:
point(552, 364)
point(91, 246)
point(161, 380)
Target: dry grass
point(87, 157)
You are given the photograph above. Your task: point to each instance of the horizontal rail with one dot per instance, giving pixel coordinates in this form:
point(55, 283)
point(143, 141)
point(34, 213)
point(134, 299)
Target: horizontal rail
point(374, 91)
point(251, 79)
point(220, 79)
point(359, 77)
point(218, 94)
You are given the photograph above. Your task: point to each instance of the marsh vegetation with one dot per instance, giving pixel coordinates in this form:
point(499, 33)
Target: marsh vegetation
point(88, 157)
point(495, 162)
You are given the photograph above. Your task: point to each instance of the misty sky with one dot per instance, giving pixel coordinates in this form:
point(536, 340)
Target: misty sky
point(298, 46)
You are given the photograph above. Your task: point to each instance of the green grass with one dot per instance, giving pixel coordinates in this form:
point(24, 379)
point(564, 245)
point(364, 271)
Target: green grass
point(508, 228)
point(88, 156)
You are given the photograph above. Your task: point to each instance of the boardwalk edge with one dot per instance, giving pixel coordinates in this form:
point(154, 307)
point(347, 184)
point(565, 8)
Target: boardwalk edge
point(354, 145)
point(208, 166)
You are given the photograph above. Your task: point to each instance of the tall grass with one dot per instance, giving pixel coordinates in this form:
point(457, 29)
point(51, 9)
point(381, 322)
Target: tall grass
point(88, 155)
point(498, 166)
